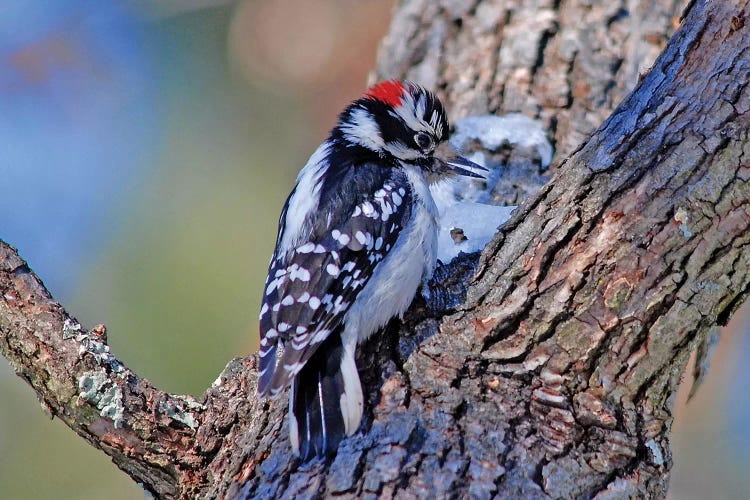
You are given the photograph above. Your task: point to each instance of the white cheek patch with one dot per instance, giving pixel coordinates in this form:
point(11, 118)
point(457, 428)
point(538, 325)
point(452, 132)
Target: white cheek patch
point(362, 129)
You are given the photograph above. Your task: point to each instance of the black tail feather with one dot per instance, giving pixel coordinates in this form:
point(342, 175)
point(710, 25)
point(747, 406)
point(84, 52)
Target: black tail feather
point(316, 401)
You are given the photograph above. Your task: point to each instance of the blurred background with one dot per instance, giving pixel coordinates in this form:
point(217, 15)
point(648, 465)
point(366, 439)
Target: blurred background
point(146, 151)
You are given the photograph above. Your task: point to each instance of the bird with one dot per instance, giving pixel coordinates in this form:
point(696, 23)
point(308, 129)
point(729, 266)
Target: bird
point(357, 238)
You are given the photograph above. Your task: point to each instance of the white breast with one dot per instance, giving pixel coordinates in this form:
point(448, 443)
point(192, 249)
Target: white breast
point(396, 279)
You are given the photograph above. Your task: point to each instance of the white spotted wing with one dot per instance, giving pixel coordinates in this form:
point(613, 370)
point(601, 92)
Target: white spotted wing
point(311, 286)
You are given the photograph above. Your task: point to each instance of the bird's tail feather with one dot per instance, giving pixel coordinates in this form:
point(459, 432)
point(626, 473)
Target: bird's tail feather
point(325, 403)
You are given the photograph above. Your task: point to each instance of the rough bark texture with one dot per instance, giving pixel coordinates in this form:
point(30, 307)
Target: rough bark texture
point(566, 63)
point(554, 375)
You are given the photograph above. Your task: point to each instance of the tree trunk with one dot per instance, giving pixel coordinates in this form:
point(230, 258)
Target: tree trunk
point(566, 63)
point(555, 374)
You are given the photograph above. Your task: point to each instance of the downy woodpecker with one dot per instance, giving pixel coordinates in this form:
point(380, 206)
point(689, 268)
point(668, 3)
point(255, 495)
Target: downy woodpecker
point(357, 236)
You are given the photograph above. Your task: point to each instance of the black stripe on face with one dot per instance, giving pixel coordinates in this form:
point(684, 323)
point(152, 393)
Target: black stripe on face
point(394, 129)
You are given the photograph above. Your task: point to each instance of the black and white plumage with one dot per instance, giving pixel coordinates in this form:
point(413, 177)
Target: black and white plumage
point(357, 236)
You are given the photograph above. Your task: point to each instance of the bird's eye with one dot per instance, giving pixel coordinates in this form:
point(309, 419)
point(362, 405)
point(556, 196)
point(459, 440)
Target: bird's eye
point(424, 141)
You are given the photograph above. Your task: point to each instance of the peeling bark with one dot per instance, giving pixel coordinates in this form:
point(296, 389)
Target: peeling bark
point(549, 366)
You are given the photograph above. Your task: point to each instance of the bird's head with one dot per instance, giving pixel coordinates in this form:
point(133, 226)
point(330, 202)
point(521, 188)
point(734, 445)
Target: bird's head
point(405, 122)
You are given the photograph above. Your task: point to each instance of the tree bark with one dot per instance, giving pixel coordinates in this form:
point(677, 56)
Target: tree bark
point(566, 63)
point(549, 366)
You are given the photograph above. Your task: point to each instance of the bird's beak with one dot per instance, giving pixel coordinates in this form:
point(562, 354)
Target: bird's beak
point(447, 163)
point(461, 166)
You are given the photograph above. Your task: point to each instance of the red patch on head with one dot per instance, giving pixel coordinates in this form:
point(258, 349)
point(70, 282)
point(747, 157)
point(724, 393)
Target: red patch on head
point(389, 92)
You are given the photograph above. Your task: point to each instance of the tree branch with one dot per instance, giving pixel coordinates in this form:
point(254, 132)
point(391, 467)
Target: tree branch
point(146, 432)
point(556, 375)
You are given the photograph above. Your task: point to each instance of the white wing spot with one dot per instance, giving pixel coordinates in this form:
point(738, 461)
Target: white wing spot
point(271, 333)
point(287, 301)
point(396, 198)
point(306, 248)
point(343, 239)
point(369, 210)
point(314, 303)
point(304, 298)
point(360, 236)
point(284, 327)
point(299, 343)
point(387, 211)
point(299, 273)
point(333, 270)
point(272, 285)
point(378, 243)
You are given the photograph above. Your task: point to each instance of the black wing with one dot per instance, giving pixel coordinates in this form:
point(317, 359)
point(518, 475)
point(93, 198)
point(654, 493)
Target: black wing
point(311, 287)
